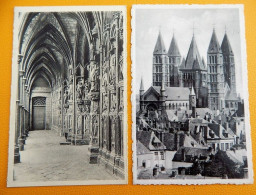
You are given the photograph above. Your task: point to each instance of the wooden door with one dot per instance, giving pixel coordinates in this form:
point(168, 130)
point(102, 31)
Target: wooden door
point(38, 113)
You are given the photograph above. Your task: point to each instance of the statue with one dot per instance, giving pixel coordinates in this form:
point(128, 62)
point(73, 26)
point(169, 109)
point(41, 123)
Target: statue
point(95, 127)
point(94, 76)
point(79, 89)
point(112, 71)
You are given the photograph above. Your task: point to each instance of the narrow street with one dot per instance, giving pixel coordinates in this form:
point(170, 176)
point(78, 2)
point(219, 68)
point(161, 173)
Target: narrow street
point(44, 159)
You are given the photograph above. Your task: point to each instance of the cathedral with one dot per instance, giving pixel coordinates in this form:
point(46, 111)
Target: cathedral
point(214, 83)
point(71, 80)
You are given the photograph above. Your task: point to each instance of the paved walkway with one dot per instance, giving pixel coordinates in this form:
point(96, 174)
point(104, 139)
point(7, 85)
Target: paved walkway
point(44, 159)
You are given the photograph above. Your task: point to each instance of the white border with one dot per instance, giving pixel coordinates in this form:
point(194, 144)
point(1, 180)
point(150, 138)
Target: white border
point(249, 180)
point(10, 182)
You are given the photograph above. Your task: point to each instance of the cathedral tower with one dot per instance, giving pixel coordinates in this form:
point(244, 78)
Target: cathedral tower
point(174, 62)
point(193, 73)
point(229, 63)
point(216, 99)
point(160, 63)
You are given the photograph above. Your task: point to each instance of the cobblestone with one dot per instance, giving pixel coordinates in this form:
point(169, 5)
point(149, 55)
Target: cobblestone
point(44, 159)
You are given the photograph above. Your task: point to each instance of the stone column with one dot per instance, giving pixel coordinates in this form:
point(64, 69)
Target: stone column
point(21, 110)
point(17, 122)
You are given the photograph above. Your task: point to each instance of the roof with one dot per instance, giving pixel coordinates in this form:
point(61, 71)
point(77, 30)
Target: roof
point(141, 149)
point(203, 111)
point(225, 45)
point(193, 59)
point(214, 46)
point(231, 96)
point(159, 47)
point(149, 140)
point(175, 93)
point(173, 49)
point(171, 115)
point(190, 151)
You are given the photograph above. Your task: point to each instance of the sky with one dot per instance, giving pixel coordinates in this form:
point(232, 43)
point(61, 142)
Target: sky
point(183, 23)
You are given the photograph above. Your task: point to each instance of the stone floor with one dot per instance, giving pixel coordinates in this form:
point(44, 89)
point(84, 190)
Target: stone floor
point(44, 159)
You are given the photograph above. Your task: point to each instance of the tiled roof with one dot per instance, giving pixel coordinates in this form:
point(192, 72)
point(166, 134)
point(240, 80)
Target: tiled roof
point(175, 93)
point(141, 149)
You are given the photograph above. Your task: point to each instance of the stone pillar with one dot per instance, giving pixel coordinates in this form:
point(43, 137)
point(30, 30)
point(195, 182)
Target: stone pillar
point(17, 122)
point(21, 110)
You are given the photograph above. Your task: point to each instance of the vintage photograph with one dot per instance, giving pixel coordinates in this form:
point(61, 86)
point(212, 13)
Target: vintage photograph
point(68, 96)
point(190, 96)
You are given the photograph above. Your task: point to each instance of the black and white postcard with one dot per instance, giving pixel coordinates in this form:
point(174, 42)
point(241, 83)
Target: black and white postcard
point(190, 96)
point(68, 101)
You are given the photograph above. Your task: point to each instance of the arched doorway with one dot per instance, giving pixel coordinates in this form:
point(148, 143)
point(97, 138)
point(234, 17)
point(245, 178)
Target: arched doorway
point(38, 113)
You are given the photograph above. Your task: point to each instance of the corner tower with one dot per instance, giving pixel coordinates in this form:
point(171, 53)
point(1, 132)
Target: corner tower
point(160, 63)
point(216, 98)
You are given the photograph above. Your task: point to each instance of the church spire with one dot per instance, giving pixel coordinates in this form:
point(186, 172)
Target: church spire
point(193, 55)
point(225, 46)
point(214, 46)
point(173, 49)
point(159, 47)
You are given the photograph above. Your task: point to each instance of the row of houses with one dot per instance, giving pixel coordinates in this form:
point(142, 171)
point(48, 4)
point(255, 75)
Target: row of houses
point(174, 143)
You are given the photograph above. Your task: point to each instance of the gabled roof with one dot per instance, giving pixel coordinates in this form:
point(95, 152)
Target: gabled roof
point(159, 47)
point(192, 56)
point(225, 46)
point(173, 49)
point(141, 149)
point(175, 93)
point(214, 46)
point(149, 140)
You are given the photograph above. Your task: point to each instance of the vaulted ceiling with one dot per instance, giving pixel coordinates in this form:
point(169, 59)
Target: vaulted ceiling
point(50, 42)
